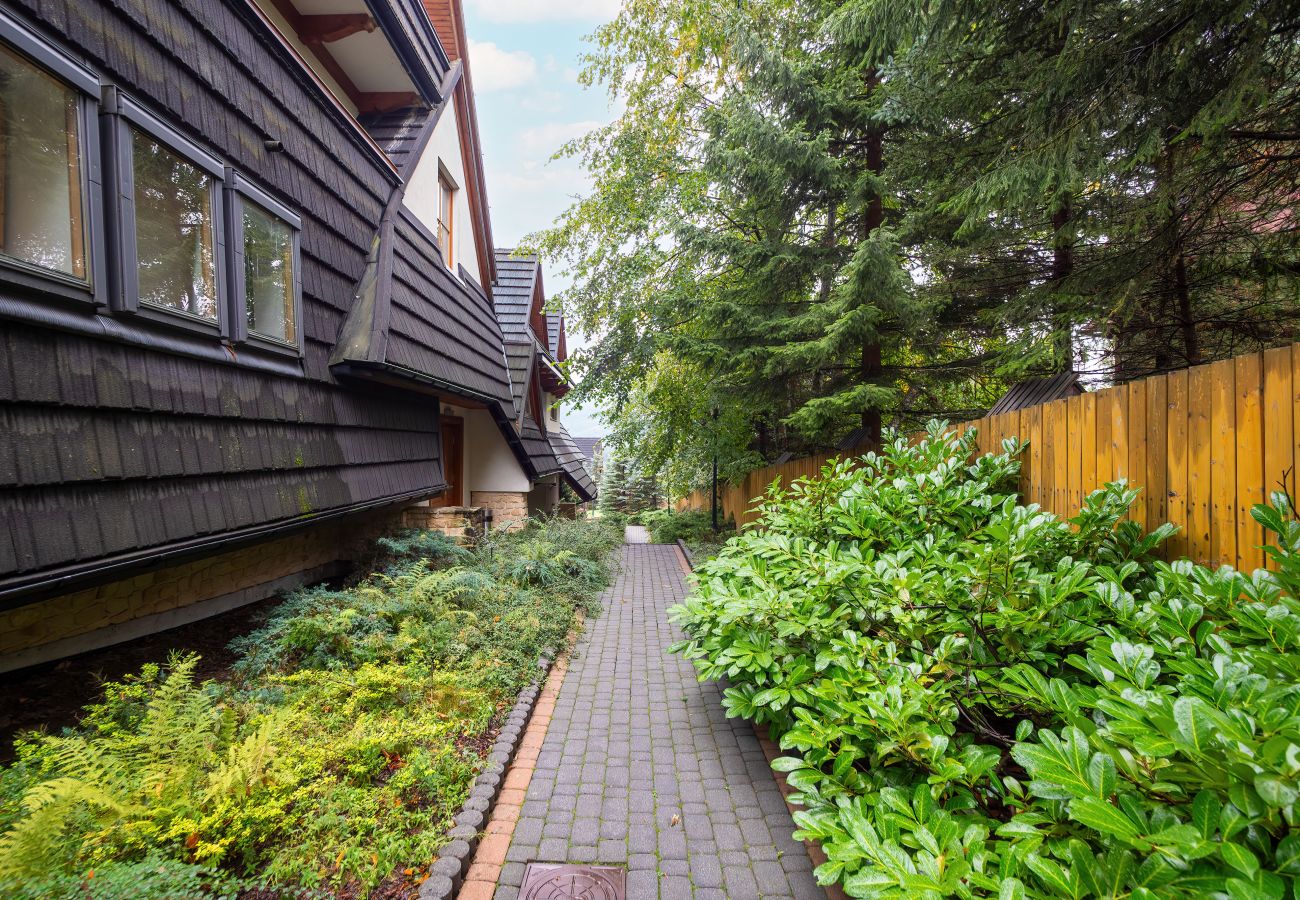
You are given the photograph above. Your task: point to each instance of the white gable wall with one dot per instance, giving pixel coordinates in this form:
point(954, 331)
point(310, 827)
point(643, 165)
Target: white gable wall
point(490, 465)
point(422, 191)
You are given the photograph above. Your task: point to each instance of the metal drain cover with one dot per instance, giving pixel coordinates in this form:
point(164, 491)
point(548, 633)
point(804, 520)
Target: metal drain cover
point(554, 881)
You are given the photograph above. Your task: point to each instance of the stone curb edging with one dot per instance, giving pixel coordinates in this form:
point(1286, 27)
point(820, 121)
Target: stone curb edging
point(447, 873)
point(772, 751)
point(686, 552)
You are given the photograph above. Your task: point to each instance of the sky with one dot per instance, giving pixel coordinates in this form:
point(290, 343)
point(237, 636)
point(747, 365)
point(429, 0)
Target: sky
point(524, 57)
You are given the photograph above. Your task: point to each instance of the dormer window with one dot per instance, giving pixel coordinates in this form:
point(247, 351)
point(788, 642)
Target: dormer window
point(446, 209)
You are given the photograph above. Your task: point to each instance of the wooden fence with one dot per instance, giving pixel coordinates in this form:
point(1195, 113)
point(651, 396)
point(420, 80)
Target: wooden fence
point(1205, 445)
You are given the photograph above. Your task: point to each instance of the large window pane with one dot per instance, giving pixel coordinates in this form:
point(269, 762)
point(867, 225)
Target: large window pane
point(268, 274)
point(40, 169)
point(173, 230)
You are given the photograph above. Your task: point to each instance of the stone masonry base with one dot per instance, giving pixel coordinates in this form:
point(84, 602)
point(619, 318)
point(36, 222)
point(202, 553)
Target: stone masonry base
point(509, 508)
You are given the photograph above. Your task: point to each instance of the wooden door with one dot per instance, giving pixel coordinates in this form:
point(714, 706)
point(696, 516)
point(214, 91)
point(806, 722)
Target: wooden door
point(453, 461)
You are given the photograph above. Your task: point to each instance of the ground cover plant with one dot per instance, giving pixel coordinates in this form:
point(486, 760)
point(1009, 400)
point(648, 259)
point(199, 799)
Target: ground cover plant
point(330, 762)
point(981, 700)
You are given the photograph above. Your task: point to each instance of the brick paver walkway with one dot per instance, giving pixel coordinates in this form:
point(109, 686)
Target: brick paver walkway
point(641, 768)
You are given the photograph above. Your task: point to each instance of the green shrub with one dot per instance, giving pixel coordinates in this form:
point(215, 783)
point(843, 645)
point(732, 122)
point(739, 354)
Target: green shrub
point(336, 755)
point(667, 526)
point(982, 700)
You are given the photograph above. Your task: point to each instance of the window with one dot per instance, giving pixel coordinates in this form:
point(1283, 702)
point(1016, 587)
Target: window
point(268, 274)
point(176, 263)
point(268, 286)
point(43, 207)
point(168, 209)
point(446, 208)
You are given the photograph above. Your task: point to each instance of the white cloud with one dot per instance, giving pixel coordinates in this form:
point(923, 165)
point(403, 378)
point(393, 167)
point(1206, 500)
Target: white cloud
point(500, 70)
point(510, 12)
point(546, 139)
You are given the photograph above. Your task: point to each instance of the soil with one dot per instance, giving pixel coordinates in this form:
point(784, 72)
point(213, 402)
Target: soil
point(50, 696)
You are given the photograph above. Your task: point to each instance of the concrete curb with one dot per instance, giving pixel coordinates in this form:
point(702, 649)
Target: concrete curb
point(447, 873)
point(686, 554)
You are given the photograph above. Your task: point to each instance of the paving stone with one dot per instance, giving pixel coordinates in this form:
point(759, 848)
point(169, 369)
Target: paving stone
point(634, 740)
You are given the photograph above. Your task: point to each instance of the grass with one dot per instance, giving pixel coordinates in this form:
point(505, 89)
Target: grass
point(330, 761)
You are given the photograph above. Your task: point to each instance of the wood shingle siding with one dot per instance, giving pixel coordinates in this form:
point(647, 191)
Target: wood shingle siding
point(121, 439)
point(440, 326)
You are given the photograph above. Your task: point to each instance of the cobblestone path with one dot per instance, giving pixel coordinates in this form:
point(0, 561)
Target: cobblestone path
point(641, 768)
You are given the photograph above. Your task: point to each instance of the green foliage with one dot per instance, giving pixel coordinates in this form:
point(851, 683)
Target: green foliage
point(336, 755)
point(981, 700)
point(666, 526)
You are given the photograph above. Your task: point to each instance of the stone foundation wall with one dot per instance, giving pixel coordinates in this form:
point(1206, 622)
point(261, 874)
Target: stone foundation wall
point(509, 508)
point(464, 523)
point(164, 598)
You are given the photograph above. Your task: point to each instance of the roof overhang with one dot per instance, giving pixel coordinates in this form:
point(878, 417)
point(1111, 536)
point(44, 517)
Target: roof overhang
point(380, 55)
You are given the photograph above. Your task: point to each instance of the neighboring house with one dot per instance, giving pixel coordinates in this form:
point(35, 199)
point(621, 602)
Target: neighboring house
point(245, 275)
point(535, 347)
point(487, 458)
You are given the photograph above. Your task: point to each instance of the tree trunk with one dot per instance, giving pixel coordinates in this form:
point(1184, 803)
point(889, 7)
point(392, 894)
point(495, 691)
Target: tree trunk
point(1191, 344)
point(875, 217)
point(1062, 268)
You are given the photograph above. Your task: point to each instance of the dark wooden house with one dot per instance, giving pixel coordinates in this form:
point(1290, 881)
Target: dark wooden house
point(227, 328)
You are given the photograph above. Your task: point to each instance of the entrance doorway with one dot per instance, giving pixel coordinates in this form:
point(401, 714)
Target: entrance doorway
point(453, 462)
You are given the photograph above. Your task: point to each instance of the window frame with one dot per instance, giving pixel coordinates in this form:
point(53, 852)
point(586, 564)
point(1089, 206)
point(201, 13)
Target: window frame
point(124, 115)
point(447, 185)
point(240, 190)
point(44, 55)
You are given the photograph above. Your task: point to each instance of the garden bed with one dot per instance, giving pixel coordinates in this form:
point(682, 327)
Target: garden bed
point(332, 756)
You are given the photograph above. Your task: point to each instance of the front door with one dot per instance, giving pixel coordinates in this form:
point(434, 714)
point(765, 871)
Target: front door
point(453, 461)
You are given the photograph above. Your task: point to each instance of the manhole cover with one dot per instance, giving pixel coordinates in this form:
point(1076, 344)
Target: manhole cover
point(552, 881)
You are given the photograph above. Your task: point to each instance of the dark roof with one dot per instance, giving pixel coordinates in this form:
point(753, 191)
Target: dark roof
point(519, 360)
point(554, 322)
point(1033, 391)
point(415, 317)
point(854, 439)
point(588, 446)
point(571, 458)
point(513, 293)
point(538, 448)
point(398, 133)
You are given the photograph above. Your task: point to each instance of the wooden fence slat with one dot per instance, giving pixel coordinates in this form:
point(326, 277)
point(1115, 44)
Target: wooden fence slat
point(1176, 463)
point(1223, 465)
point(1249, 437)
point(1119, 433)
point(1033, 483)
point(1105, 448)
point(1074, 455)
point(1157, 452)
point(1278, 419)
point(1088, 477)
point(1200, 444)
point(1137, 449)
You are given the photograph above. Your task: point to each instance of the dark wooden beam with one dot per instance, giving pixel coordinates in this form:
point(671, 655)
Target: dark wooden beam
point(330, 27)
point(385, 101)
